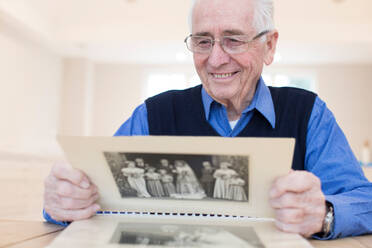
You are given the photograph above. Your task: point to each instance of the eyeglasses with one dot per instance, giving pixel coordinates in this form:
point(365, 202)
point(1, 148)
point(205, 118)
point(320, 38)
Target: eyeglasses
point(232, 44)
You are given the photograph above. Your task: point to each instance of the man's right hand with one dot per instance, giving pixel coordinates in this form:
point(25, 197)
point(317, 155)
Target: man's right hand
point(69, 194)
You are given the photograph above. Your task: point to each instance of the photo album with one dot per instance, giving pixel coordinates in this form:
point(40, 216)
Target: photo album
point(158, 191)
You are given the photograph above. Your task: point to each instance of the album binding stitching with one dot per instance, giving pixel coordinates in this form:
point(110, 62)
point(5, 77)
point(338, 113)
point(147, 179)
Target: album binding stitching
point(139, 213)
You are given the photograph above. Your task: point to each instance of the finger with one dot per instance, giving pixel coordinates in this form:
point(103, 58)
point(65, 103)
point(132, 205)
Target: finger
point(66, 189)
point(65, 172)
point(70, 203)
point(50, 202)
point(72, 215)
point(309, 200)
point(295, 181)
point(290, 215)
point(288, 200)
point(301, 229)
point(286, 227)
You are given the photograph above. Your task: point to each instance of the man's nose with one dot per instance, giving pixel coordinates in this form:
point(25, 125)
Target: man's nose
point(218, 56)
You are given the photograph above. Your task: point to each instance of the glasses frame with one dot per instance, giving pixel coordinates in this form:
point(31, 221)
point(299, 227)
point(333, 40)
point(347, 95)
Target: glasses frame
point(259, 35)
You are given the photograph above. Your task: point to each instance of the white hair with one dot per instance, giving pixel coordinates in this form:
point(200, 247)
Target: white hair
point(263, 15)
point(263, 18)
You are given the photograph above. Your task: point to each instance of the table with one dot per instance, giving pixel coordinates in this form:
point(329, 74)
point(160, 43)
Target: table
point(21, 202)
point(27, 233)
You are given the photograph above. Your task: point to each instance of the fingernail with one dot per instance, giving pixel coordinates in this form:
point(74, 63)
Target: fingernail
point(84, 184)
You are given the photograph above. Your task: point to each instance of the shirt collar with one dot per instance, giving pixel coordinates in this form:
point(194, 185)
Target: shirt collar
point(262, 101)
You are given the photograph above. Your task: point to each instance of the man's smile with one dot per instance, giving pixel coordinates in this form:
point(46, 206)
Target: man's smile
point(223, 75)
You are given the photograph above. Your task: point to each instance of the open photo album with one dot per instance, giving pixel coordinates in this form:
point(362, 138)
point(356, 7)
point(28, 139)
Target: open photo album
point(158, 191)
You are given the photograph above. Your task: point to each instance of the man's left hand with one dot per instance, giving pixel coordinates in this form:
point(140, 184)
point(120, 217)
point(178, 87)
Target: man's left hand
point(299, 203)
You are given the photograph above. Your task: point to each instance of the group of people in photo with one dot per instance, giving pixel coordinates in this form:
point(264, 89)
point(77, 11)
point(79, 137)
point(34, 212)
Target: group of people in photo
point(179, 180)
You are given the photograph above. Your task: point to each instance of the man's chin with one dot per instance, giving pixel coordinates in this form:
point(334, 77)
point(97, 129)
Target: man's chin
point(222, 95)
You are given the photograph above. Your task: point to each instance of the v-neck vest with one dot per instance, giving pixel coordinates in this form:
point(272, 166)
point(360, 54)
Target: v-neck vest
point(181, 113)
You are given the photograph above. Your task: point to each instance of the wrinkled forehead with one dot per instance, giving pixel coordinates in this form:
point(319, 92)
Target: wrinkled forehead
point(217, 16)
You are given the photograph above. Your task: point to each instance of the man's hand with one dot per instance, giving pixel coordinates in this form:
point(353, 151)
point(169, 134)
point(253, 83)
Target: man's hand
point(298, 202)
point(69, 195)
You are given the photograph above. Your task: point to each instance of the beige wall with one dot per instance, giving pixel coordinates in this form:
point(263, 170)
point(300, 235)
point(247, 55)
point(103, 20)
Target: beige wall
point(347, 91)
point(119, 89)
point(77, 94)
point(30, 81)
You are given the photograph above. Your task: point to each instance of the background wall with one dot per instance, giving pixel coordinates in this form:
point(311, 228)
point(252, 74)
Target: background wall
point(57, 77)
point(346, 89)
point(42, 94)
point(77, 94)
point(119, 88)
point(30, 86)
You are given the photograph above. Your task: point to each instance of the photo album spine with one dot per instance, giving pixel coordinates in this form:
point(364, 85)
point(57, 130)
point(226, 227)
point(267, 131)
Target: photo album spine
point(176, 214)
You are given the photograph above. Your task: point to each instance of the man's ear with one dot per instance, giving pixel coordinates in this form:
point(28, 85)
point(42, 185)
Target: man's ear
point(270, 46)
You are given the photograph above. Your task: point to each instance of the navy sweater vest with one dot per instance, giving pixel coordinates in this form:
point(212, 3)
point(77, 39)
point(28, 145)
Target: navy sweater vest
point(181, 112)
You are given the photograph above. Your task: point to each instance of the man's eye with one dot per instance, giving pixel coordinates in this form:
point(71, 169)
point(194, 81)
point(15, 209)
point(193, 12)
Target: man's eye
point(233, 42)
point(203, 42)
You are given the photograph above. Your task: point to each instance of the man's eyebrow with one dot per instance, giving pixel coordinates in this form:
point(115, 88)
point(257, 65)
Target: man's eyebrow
point(233, 32)
point(203, 34)
point(225, 32)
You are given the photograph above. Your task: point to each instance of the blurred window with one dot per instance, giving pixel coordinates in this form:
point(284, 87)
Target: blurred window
point(160, 82)
point(306, 82)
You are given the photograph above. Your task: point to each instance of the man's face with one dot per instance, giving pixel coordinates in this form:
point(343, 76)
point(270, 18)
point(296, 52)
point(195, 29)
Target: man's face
point(223, 166)
point(207, 166)
point(140, 162)
point(228, 77)
point(164, 162)
point(131, 164)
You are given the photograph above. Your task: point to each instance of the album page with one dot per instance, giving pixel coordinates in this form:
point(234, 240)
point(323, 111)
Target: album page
point(200, 176)
point(134, 231)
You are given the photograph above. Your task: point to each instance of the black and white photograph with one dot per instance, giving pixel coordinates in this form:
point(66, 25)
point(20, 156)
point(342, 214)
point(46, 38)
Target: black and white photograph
point(180, 176)
point(185, 236)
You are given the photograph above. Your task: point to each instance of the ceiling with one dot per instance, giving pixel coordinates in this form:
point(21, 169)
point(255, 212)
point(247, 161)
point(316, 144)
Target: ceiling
point(145, 31)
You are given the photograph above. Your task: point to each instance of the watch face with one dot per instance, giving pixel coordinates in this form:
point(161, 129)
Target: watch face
point(328, 220)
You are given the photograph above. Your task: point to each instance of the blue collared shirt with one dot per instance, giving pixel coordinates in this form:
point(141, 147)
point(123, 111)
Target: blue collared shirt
point(328, 156)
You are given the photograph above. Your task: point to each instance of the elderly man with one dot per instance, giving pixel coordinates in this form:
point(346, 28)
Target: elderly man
point(325, 195)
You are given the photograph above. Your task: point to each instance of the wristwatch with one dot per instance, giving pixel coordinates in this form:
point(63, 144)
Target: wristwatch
point(328, 220)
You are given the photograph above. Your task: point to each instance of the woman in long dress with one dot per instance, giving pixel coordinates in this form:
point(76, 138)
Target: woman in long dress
point(154, 185)
point(187, 183)
point(135, 177)
point(236, 189)
point(222, 176)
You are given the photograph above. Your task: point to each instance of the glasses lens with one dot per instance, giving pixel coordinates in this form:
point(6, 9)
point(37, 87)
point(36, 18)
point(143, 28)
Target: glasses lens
point(233, 44)
point(199, 44)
